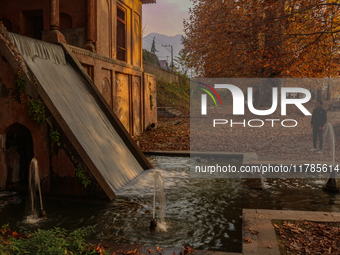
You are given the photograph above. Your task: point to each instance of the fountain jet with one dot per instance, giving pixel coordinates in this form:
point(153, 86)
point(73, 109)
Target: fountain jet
point(34, 186)
point(158, 183)
point(331, 185)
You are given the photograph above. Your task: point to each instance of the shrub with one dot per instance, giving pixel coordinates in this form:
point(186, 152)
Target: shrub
point(46, 242)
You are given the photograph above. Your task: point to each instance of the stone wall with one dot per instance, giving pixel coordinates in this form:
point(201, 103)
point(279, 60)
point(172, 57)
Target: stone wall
point(161, 73)
point(126, 89)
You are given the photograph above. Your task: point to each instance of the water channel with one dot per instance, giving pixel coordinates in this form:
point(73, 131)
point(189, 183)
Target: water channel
point(203, 213)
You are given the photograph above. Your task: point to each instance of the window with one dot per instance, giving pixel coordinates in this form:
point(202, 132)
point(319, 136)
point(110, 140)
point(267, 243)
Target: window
point(32, 23)
point(121, 34)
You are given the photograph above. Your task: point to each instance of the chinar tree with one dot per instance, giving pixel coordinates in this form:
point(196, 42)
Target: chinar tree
point(263, 38)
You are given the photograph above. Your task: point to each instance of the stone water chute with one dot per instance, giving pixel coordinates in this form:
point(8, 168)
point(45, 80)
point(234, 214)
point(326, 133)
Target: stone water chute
point(91, 126)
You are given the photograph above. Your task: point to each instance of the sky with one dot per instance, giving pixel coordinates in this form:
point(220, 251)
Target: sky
point(165, 17)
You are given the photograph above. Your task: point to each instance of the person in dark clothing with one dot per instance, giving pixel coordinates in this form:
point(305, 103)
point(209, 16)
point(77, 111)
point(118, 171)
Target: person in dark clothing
point(319, 119)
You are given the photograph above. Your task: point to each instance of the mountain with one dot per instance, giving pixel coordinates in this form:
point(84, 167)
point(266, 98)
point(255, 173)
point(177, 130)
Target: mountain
point(160, 40)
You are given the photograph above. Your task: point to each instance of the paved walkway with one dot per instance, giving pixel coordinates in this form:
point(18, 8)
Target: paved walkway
point(246, 157)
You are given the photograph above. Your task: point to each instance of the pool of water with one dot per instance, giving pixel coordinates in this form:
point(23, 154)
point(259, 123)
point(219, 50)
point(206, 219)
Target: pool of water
point(203, 213)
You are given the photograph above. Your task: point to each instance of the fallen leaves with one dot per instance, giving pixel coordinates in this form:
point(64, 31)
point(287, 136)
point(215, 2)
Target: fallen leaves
point(247, 240)
point(185, 249)
point(100, 249)
point(158, 250)
point(16, 235)
point(6, 233)
point(309, 237)
point(170, 134)
point(132, 252)
point(253, 232)
point(188, 249)
point(270, 143)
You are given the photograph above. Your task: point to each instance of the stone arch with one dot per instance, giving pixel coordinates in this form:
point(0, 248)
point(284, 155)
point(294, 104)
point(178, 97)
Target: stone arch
point(7, 23)
point(18, 155)
point(73, 40)
point(65, 20)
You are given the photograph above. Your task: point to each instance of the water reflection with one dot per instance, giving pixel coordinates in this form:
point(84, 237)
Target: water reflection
point(203, 213)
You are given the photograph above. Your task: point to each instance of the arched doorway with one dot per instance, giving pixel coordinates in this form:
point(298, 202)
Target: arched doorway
point(18, 155)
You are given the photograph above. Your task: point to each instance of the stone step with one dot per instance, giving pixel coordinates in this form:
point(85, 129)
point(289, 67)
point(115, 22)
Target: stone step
point(168, 112)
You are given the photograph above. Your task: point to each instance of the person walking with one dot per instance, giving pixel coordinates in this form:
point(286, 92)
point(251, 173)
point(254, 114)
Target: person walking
point(319, 119)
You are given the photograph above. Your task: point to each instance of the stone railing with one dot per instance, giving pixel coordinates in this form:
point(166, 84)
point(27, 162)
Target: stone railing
point(73, 36)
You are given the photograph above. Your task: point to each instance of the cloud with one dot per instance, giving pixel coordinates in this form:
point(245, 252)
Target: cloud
point(165, 17)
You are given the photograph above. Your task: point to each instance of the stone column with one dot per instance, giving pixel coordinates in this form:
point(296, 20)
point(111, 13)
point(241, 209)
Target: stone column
point(89, 26)
point(54, 14)
point(54, 35)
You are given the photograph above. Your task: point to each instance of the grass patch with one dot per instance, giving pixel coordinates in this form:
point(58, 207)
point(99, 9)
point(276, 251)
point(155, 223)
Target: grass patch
point(174, 95)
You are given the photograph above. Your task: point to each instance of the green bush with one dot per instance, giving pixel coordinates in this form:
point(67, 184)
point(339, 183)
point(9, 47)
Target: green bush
point(150, 58)
point(55, 137)
point(83, 177)
point(36, 109)
point(46, 242)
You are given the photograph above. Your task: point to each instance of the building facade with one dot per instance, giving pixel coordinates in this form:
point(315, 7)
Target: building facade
point(106, 37)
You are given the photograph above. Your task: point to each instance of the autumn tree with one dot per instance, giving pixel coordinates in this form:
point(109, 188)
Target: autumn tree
point(263, 38)
point(150, 58)
point(181, 62)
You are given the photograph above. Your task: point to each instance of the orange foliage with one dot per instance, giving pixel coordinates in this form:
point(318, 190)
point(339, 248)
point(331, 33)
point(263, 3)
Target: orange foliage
point(263, 38)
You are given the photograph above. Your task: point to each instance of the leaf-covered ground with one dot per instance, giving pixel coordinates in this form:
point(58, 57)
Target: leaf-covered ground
point(306, 237)
point(270, 143)
point(170, 134)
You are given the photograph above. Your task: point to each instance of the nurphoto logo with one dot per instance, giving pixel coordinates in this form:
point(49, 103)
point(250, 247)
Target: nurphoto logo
point(239, 102)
